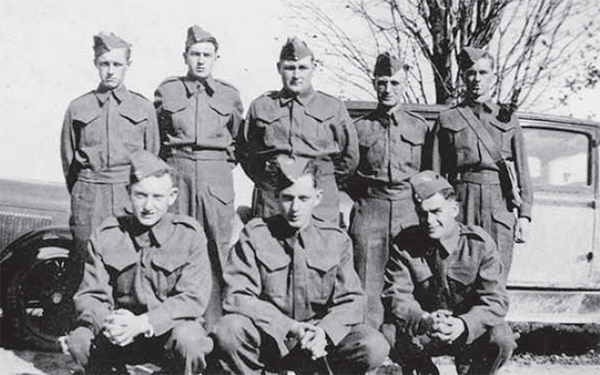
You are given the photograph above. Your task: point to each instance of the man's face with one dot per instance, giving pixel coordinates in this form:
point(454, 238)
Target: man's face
point(151, 198)
point(296, 76)
point(389, 89)
point(479, 79)
point(298, 201)
point(200, 59)
point(112, 66)
point(438, 215)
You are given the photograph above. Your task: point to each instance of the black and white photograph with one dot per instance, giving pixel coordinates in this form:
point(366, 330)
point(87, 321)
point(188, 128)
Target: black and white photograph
point(377, 187)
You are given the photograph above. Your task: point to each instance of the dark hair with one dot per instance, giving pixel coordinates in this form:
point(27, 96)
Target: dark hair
point(448, 194)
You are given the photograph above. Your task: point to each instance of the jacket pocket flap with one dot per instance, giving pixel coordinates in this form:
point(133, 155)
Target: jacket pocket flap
point(273, 260)
point(85, 117)
point(168, 261)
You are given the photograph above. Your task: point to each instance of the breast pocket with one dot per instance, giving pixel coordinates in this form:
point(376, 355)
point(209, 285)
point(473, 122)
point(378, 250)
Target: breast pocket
point(274, 128)
point(466, 146)
point(502, 133)
point(132, 128)
point(373, 152)
point(217, 128)
point(121, 269)
point(178, 120)
point(166, 271)
point(319, 129)
point(413, 145)
point(87, 125)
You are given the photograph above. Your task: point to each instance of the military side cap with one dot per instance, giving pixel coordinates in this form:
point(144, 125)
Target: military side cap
point(196, 34)
point(427, 183)
point(145, 164)
point(105, 42)
point(294, 49)
point(386, 65)
point(284, 170)
point(469, 56)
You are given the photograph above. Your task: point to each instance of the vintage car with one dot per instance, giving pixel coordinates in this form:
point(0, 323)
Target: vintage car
point(555, 276)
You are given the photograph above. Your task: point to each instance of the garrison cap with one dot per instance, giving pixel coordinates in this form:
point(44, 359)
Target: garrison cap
point(145, 164)
point(105, 42)
point(427, 183)
point(284, 170)
point(196, 34)
point(386, 65)
point(294, 49)
point(469, 56)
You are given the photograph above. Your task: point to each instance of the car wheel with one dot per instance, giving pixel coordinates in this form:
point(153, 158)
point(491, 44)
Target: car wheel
point(38, 299)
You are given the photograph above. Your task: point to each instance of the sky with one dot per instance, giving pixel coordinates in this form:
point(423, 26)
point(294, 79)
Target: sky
point(46, 58)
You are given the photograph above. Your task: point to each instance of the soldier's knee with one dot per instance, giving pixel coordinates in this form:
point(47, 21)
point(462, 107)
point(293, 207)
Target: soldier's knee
point(374, 346)
point(504, 339)
point(233, 330)
point(190, 339)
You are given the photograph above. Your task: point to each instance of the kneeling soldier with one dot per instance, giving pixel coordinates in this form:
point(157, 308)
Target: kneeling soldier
point(293, 298)
point(146, 283)
point(444, 289)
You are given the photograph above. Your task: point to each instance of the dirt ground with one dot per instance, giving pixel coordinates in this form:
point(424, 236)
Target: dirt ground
point(556, 350)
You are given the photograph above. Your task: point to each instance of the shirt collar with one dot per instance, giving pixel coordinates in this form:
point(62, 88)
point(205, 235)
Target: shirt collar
point(193, 84)
point(305, 97)
point(102, 94)
point(157, 234)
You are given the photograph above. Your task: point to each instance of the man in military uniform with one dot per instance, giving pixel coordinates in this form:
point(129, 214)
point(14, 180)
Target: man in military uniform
point(476, 142)
point(444, 289)
point(299, 121)
point(146, 283)
point(293, 299)
point(100, 130)
point(199, 117)
point(391, 148)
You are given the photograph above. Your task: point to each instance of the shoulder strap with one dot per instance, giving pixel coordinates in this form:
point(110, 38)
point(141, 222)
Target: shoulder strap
point(484, 137)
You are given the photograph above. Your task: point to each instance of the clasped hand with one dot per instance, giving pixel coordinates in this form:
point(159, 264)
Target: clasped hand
point(121, 327)
point(311, 337)
point(445, 327)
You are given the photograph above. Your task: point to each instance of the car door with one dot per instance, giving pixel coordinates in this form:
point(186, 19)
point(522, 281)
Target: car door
point(563, 243)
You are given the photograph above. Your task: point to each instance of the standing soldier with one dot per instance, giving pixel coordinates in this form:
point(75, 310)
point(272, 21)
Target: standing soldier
point(391, 148)
point(298, 121)
point(199, 118)
point(100, 130)
point(479, 147)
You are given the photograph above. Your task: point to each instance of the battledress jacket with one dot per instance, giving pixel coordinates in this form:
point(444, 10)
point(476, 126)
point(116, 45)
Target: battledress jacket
point(474, 292)
point(274, 284)
point(100, 129)
point(206, 116)
point(164, 273)
point(313, 125)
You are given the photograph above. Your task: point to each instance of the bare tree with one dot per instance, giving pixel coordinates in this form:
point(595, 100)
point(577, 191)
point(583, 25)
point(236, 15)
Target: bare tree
point(533, 41)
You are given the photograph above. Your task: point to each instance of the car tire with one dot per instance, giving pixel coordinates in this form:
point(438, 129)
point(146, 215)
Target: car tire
point(38, 293)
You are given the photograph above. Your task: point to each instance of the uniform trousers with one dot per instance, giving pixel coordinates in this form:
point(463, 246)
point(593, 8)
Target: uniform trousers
point(206, 194)
point(182, 350)
point(241, 348)
point(482, 203)
point(373, 225)
point(91, 204)
point(485, 355)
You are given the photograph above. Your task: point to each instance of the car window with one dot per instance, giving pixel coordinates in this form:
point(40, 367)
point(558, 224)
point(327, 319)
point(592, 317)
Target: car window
point(558, 158)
